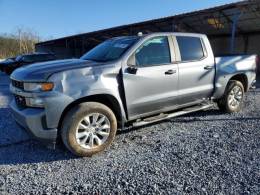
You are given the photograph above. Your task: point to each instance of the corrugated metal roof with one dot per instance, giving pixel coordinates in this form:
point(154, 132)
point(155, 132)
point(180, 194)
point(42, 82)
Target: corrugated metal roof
point(197, 21)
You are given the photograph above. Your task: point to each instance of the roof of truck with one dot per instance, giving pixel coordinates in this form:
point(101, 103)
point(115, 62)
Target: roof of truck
point(162, 33)
point(177, 34)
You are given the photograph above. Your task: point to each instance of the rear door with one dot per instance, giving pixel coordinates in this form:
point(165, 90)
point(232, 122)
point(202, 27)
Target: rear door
point(196, 69)
point(152, 85)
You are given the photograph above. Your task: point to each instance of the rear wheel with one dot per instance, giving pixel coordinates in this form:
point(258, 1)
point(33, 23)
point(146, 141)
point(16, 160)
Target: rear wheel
point(89, 128)
point(233, 97)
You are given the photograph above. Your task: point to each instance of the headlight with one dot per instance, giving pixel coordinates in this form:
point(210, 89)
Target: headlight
point(34, 102)
point(37, 87)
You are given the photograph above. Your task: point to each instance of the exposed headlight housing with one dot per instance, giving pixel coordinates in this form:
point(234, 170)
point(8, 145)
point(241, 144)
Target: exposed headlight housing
point(38, 87)
point(34, 102)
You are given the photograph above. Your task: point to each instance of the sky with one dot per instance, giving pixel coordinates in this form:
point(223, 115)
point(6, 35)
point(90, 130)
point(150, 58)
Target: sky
point(59, 18)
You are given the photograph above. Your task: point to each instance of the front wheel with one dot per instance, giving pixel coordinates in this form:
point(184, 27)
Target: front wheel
point(233, 97)
point(88, 128)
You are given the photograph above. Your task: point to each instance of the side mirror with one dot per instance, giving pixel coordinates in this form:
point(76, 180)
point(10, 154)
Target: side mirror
point(131, 63)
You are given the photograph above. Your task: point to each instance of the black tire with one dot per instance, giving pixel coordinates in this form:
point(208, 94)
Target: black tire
point(224, 104)
point(74, 118)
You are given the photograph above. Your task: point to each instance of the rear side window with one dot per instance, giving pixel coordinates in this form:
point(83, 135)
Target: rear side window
point(42, 57)
point(190, 48)
point(34, 58)
point(153, 52)
point(50, 57)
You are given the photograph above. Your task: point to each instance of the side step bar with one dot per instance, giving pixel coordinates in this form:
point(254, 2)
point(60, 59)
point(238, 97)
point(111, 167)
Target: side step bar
point(163, 116)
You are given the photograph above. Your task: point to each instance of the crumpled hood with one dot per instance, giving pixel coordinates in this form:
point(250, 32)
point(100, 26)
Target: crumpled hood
point(41, 71)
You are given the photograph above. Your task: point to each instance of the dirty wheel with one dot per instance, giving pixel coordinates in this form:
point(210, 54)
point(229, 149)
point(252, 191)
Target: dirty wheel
point(89, 128)
point(233, 97)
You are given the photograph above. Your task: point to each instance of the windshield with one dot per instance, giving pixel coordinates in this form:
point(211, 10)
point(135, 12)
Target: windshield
point(109, 50)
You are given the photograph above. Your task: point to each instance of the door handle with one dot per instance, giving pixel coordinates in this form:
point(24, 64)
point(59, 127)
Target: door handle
point(208, 67)
point(169, 72)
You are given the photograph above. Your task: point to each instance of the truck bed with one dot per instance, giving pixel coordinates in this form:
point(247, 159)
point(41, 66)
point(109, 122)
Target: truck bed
point(231, 65)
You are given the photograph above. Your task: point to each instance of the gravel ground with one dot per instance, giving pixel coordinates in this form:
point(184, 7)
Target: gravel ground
point(202, 153)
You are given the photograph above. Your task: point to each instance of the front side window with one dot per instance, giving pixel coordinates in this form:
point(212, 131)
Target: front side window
point(28, 58)
point(35, 58)
point(42, 57)
point(190, 48)
point(50, 57)
point(153, 52)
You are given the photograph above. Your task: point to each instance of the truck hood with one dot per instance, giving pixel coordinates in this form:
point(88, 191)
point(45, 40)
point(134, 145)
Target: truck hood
point(41, 71)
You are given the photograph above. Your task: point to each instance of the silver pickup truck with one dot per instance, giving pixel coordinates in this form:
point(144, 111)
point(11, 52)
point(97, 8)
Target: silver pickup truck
point(126, 81)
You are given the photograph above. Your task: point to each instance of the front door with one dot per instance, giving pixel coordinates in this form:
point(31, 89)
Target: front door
point(153, 86)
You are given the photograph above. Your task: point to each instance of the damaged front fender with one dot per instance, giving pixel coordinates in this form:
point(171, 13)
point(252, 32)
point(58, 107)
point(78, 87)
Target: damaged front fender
point(75, 84)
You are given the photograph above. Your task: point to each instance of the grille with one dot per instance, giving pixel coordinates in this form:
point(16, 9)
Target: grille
point(17, 84)
point(20, 101)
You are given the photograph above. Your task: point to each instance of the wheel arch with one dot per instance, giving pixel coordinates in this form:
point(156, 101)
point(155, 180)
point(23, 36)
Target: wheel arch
point(106, 99)
point(241, 78)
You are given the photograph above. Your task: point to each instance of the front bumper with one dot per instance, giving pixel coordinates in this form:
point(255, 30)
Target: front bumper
point(34, 120)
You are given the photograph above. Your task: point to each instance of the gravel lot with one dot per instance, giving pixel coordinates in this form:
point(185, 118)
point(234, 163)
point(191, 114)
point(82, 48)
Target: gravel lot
point(202, 153)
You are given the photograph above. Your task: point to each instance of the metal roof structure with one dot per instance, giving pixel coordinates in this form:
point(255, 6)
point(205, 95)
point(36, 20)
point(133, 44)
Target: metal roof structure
point(241, 18)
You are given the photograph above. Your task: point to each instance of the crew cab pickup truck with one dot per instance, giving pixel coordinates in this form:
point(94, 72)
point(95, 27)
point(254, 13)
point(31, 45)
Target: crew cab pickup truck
point(124, 82)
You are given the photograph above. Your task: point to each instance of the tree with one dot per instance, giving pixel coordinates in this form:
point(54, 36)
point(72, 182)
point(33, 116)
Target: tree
point(21, 42)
